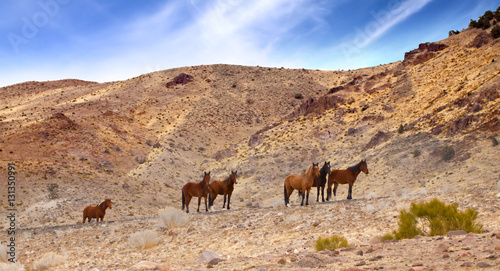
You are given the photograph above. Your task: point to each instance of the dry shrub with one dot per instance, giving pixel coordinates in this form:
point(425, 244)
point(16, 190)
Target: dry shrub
point(144, 239)
point(434, 218)
point(333, 242)
point(172, 218)
point(49, 260)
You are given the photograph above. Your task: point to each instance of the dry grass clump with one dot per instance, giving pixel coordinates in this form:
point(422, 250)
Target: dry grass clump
point(434, 218)
point(333, 242)
point(172, 218)
point(144, 239)
point(49, 260)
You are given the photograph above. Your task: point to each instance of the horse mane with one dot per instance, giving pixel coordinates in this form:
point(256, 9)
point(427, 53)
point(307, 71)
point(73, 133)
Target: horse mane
point(323, 170)
point(355, 168)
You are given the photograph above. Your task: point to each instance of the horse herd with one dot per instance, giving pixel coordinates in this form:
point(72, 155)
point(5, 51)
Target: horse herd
point(314, 177)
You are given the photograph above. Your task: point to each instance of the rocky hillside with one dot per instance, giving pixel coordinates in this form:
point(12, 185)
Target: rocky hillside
point(138, 141)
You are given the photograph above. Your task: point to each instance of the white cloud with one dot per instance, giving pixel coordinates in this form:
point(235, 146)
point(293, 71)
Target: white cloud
point(383, 20)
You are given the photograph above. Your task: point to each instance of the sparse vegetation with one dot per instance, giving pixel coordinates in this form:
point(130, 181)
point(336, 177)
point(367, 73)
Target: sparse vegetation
point(49, 260)
point(299, 96)
point(144, 239)
point(485, 22)
point(333, 242)
point(434, 218)
point(401, 129)
point(495, 31)
point(416, 153)
point(53, 189)
point(172, 218)
point(447, 153)
point(495, 141)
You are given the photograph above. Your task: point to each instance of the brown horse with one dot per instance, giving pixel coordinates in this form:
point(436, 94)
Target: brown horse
point(302, 182)
point(96, 211)
point(343, 176)
point(199, 190)
point(225, 188)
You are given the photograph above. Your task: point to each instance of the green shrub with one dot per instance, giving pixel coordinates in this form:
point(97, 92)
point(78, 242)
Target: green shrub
point(401, 129)
point(495, 31)
point(434, 218)
point(299, 96)
point(333, 242)
point(495, 141)
point(448, 153)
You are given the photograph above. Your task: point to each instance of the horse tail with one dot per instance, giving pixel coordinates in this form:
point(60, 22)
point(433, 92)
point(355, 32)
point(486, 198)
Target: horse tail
point(286, 195)
point(183, 200)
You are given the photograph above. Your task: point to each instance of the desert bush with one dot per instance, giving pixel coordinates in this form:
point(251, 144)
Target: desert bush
point(144, 239)
point(333, 242)
point(172, 218)
point(416, 153)
point(299, 96)
point(447, 153)
point(495, 31)
point(401, 129)
point(49, 260)
point(434, 218)
point(53, 189)
point(495, 141)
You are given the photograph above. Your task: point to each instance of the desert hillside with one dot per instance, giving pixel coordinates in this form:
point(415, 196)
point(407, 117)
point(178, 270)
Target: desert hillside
point(75, 143)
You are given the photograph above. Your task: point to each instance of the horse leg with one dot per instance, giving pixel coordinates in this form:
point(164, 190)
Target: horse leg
point(183, 201)
point(329, 190)
point(206, 206)
point(199, 202)
point(303, 196)
point(188, 200)
point(322, 193)
point(349, 194)
point(335, 185)
point(317, 196)
point(224, 204)
point(228, 199)
point(307, 198)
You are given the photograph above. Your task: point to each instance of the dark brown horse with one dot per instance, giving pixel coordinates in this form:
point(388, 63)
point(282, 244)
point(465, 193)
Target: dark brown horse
point(225, 188)
point(302, 182)
point(320, 181)
point(343, 176)
point(96, 211)
point(199, 190)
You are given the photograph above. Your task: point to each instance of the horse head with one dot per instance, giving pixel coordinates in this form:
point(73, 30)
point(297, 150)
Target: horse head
point(315, 169)
point(206, 178)
point(106, 204)
point(233, 177)
point(363, 166)
point(326, 167)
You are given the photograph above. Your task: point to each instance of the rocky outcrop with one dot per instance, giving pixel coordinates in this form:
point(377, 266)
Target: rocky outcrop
point(424, 52)
point(316, 107)
point(180, 79)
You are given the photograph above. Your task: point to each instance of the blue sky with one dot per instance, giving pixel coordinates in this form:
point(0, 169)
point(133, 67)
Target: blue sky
point(108, 40)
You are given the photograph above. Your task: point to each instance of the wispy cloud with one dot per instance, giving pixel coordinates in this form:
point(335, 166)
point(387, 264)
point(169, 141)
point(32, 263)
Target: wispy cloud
point(383, 20)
